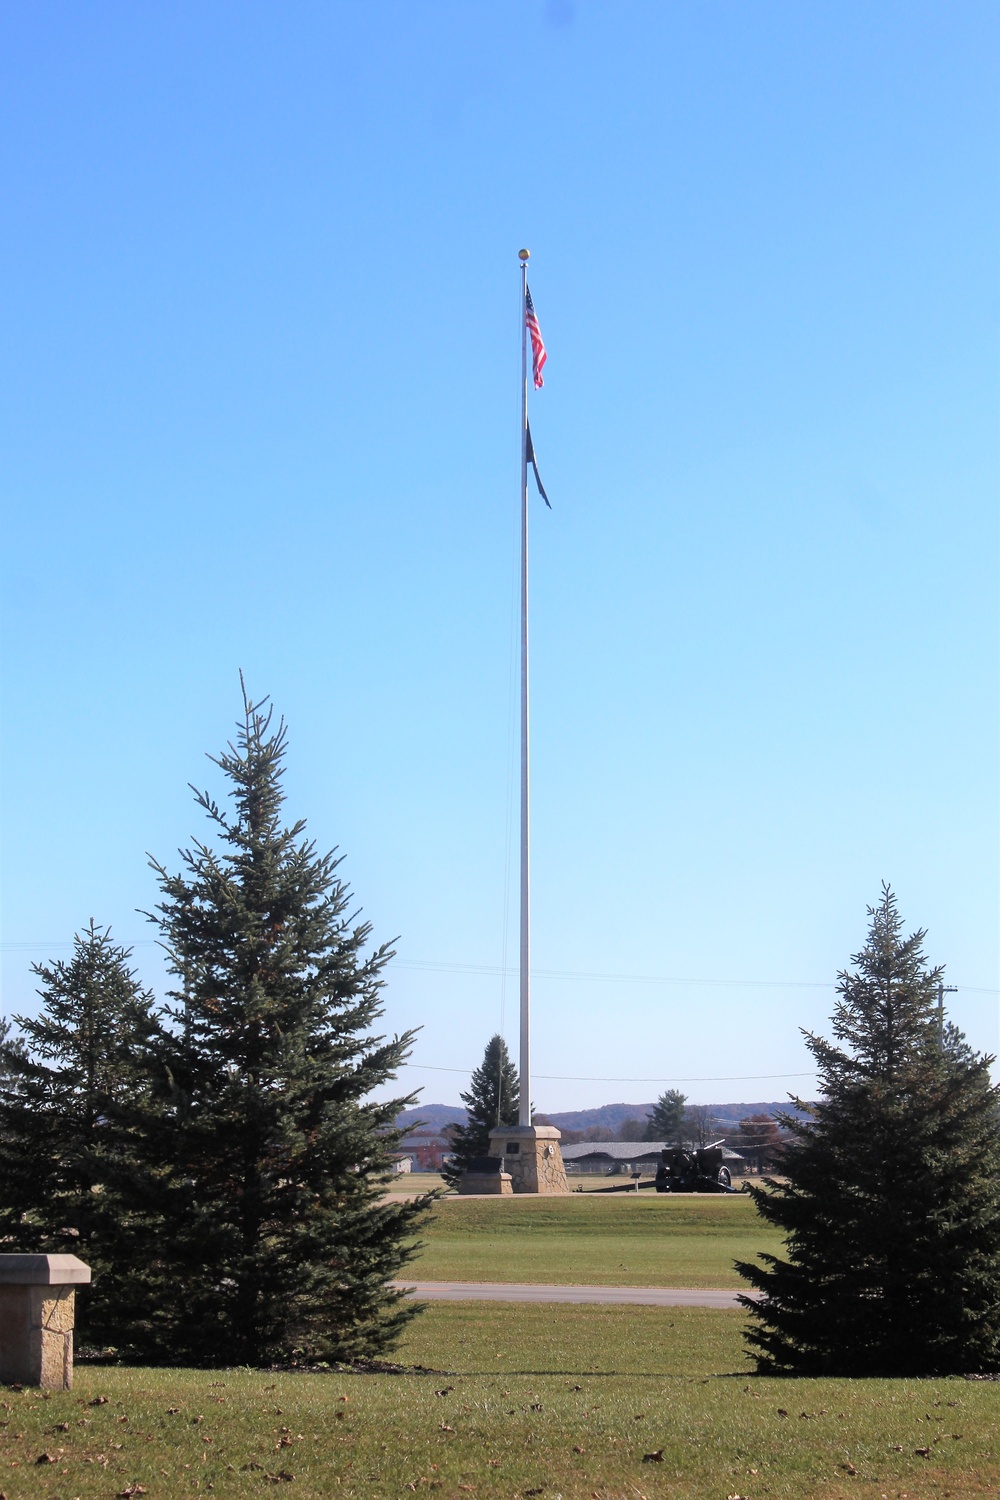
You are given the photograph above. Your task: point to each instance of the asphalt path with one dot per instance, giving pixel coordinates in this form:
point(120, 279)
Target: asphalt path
point(515, 1291)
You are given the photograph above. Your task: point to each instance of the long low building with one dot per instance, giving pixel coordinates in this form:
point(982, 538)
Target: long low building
point(625, 1156)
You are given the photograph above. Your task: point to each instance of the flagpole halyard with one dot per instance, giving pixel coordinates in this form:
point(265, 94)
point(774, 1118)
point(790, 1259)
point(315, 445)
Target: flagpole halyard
point(524, 1114)
point(530, 1162)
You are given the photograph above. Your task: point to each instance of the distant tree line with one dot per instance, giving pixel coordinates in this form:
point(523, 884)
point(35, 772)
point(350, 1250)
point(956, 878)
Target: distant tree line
point(758, 1137)
point(219, 1161)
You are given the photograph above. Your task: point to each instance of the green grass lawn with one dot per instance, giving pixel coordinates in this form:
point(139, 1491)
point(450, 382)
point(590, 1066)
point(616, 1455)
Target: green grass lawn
point(417, 1182)
point(576, 1399)
point(624, 1239)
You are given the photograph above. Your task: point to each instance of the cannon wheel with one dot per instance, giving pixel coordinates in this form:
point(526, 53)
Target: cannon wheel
point(724, 1178)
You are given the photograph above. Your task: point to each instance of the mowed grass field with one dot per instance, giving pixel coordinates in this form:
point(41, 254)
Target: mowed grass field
point(558, 1403)
point(626, 1239)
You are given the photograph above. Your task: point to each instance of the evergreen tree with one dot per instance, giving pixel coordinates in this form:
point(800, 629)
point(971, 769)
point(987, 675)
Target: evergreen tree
point(493, 1099)
point(891, 1194)
point(71, 1087)
point(666, 1118)
point(277, 1240)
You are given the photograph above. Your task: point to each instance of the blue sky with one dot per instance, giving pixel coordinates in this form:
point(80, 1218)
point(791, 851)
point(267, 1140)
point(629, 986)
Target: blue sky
point(259, 393)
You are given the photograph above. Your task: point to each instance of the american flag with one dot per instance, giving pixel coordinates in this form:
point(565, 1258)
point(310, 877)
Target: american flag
point(538, 354)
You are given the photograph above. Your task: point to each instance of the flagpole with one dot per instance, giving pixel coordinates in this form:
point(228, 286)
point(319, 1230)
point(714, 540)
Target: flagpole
point(524, 1115)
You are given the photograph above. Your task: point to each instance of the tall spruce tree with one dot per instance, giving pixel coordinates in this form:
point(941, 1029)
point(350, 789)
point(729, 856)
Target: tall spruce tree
point(890, 1198)
point(494, 1098)
point(73, 1083)
point(666, 1118)
point(277, 1241)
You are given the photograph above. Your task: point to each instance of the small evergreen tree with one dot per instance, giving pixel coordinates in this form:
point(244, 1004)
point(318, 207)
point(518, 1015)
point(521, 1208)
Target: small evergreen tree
point(494, 1098)
point(891, 1194)
point(277, 1241)
point(666, 1118)
point(72, 1085)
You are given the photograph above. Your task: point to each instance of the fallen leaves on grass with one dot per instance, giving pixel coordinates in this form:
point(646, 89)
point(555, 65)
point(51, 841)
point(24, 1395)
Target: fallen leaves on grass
point(99, 1401)
point(130, 1490)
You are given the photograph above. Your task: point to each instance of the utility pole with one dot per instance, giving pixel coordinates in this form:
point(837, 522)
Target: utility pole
point(943, 989)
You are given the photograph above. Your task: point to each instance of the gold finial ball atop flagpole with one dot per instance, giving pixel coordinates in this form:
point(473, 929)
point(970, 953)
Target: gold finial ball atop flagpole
point(524, 255)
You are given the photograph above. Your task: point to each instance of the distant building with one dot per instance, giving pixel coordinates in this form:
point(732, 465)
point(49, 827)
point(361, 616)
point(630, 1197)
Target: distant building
point(625, 1156)
point(402, 1163)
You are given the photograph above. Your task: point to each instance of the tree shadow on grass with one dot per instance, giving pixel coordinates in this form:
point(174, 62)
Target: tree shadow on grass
point(606, 1375)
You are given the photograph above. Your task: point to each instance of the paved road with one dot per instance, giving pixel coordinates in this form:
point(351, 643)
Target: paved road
point(513, 1291)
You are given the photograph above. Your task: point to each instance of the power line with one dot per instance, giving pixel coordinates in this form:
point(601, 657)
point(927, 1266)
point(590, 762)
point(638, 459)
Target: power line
point(433, 966)
point(569, 1078)
point(440, 968)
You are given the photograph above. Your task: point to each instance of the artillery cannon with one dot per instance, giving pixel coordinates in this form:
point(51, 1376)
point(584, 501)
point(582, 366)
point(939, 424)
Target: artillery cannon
point(699, 1171)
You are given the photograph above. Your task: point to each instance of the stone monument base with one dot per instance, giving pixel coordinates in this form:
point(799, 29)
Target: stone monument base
point(497, 1183)
point(532, 1157)
point(485, 1174)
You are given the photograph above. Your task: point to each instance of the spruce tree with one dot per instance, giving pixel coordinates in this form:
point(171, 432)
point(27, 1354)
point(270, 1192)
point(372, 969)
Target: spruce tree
point(890, 1198)
point(493, 1099)
point(72, 1084)
point(666, 1118)
point(278, 1242)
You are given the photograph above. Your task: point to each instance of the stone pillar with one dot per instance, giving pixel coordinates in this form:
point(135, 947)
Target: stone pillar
point(532, 1157)
point(37, 1306)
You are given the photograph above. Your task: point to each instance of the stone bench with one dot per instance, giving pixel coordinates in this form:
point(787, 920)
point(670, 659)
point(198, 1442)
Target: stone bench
point(37, 1310)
